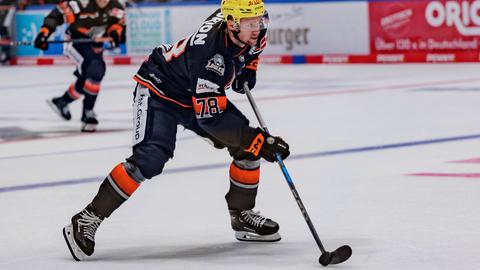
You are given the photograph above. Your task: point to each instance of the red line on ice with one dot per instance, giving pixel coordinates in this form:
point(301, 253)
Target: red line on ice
point(472, 160)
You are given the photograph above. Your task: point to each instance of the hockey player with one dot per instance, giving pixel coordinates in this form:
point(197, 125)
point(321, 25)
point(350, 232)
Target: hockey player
point(185, 84)
point(86, 19)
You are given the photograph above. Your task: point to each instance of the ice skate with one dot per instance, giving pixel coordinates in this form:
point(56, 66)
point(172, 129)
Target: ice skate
point(89, 121)
point(251, 226)
point(60, 107)
point(80, 234)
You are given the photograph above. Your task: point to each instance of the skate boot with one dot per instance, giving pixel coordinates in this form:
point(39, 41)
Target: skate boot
point(60, 107)
point(251, 226)
point(80, 234)
point(89, 121)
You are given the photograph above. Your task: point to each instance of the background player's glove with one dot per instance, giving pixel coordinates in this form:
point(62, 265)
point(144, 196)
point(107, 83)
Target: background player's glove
point(115, 38)
point(266, 146)
point(41, 41)
point(115, 33)
point(247, 75)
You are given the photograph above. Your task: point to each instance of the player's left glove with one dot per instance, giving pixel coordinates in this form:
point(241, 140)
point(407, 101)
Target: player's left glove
point(115, 38)
point(115, 33)
point(41, 41)
point(247, 75)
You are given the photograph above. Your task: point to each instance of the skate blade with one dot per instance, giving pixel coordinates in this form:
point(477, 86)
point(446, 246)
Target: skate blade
point(55, 109)
point(89, 127)
point(253, 237)
point(76, 252)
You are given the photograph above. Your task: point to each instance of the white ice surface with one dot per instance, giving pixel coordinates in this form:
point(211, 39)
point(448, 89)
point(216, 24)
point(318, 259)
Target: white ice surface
point(179, 220)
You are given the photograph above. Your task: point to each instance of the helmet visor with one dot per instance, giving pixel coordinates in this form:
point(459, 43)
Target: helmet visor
point(255, 23)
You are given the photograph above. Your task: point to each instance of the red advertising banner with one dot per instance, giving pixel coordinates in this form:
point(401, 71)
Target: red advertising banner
point(426, 31)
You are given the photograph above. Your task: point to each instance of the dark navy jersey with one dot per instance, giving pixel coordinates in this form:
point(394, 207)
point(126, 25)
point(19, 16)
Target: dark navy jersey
point(196, 71)
point(86, 19)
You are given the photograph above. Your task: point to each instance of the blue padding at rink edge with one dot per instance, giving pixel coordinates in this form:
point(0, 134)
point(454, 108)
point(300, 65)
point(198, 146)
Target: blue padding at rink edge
point(298, 59)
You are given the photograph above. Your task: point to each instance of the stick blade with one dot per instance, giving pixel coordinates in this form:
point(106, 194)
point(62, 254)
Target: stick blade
point(340, 255)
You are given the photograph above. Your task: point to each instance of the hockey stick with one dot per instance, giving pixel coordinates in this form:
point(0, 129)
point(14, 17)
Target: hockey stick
point(339, 255)
point(79, 40)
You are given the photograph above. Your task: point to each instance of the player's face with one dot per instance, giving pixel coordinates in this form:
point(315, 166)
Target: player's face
point(250, 29)
point(102, 3)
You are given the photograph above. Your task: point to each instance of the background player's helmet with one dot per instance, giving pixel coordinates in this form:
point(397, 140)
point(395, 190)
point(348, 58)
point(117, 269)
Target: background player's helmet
point(240, 9)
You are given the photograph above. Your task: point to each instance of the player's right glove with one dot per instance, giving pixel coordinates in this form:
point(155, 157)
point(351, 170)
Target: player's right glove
point(266, 146)
point(41, 41)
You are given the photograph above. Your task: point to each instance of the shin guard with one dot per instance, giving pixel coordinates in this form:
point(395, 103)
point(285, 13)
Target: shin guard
point(119, 185)
point(244, 179)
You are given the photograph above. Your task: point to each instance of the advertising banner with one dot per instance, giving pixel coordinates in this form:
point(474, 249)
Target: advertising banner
point(147, 28)
point(318, 28)
point(304, 28)
point(431, 31)
point(308, 32)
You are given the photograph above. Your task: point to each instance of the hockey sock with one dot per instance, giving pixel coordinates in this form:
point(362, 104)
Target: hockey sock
point(71, 94)
point(89, 102)
point(119, 185)
point(244, 179)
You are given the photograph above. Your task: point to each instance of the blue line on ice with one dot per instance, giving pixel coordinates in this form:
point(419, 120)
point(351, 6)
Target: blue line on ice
point(224, 165)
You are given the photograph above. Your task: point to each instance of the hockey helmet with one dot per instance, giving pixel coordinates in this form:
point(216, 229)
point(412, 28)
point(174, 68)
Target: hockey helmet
point(243, 9)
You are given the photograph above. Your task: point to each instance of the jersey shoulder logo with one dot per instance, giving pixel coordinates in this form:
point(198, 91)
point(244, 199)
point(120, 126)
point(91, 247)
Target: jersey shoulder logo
point(170, 51)
point(216, 64)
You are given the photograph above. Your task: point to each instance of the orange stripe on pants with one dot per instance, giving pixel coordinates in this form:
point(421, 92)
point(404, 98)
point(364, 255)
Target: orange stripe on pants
point(247, 177)
point(91, 87)
point(123, 180)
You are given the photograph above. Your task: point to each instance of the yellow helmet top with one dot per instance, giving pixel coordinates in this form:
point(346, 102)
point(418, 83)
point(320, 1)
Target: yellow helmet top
point(240, 9)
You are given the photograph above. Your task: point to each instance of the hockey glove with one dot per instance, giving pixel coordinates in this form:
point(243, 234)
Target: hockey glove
point(41, 41)
point(247, 75)
point(115, 33)
point(266, 146)
point(115, 38)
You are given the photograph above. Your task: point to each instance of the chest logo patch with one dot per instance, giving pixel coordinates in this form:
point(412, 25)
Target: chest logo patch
point(216, 64)
point(206, 86)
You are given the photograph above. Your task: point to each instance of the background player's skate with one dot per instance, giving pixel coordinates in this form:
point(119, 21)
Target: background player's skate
point(60, 107)
point(89, 121)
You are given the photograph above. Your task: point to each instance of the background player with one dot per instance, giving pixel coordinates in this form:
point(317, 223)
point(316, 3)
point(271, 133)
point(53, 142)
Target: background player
point(184, 84)
point(86, 19)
